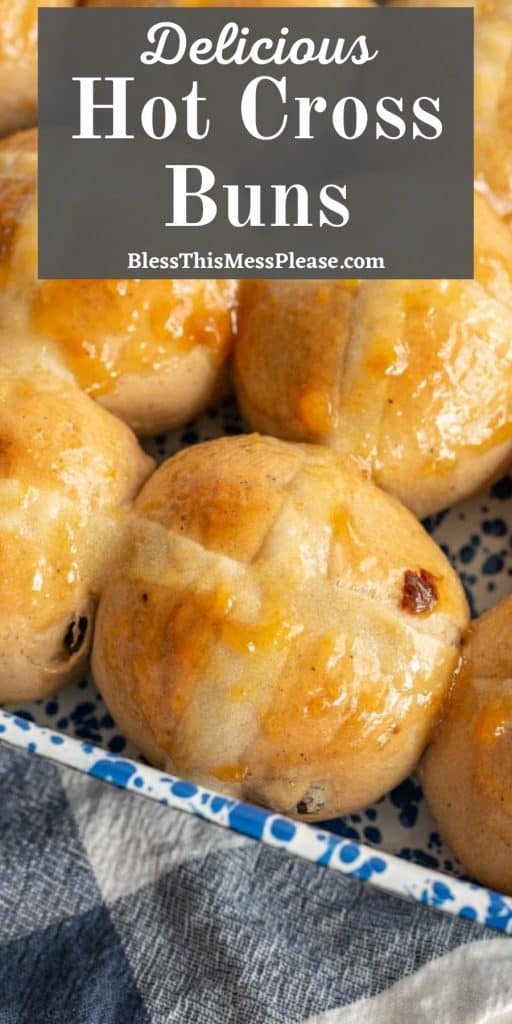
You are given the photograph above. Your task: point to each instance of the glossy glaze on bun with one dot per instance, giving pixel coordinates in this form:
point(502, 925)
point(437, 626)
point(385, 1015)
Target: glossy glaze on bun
point(467, 770)
point(412, 379)
point(67, 471)
point(151, 351)
point(269, 637)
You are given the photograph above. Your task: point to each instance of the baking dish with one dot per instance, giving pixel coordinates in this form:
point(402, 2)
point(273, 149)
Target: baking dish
point(393, 844)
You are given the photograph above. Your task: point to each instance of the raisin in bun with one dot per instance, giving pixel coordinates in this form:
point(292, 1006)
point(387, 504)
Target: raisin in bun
point(18, 61)
point(493, 95)
point(268, 636)
point(67, 470)
point(152, 352)
point(413, 379)
point(467, 770)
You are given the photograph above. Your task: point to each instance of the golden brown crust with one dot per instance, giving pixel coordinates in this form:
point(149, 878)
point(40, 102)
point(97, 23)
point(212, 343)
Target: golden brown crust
point(152, 352)
point(412, 379)
point(257, 640)
point(467, 769)
point(290, 353)
point(67, 468)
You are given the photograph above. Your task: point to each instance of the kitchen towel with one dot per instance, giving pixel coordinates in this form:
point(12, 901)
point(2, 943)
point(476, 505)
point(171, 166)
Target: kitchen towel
point(117, 910)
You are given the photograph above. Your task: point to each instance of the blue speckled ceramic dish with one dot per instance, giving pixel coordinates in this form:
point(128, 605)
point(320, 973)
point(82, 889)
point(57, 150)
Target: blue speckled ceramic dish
point(393, 844)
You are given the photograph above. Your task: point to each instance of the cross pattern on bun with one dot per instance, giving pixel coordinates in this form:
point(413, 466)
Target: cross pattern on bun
point(412, 379)
point(268, 636)
point(67, 470)
point(151, 351)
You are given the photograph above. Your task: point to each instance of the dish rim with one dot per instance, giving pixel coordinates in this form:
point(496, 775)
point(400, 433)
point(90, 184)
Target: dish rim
point(350, 857)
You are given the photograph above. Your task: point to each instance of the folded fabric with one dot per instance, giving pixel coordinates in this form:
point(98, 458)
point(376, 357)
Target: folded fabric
point(470, 985)
point(117, 910)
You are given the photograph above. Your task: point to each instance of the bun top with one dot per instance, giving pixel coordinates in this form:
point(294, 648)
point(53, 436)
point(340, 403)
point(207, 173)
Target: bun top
point(257, 500)
point(481, 703)
point(268, 618)
point(102, 332)
point(468, 764)
point(413, 379)
point(66, 469)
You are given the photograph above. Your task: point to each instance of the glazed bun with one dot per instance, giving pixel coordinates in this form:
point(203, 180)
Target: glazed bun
point(18, 61)
point(467, 770)
point(413, 379)
point(493, 95)
point(67, 468)
point(153, 352)
point(268, 636)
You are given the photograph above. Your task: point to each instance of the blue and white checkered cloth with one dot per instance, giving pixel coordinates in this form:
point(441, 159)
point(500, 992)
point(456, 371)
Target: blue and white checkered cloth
point(116, 910)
